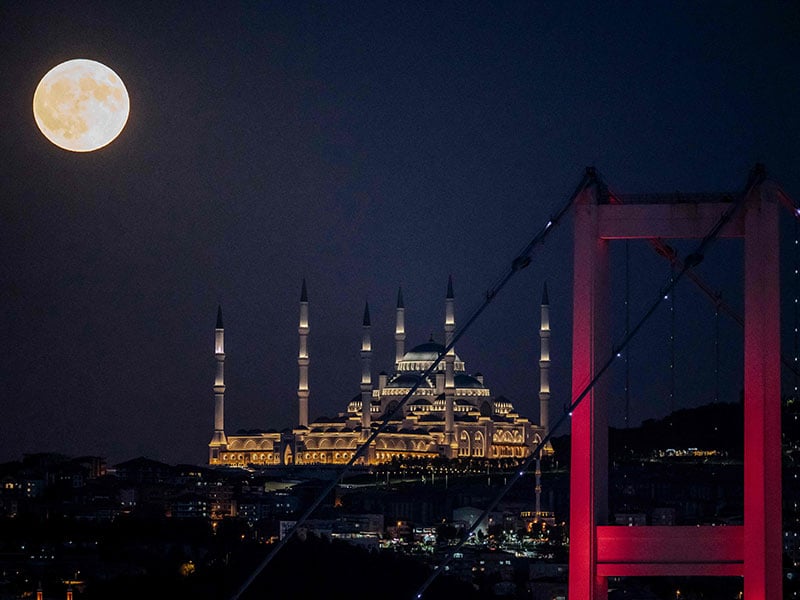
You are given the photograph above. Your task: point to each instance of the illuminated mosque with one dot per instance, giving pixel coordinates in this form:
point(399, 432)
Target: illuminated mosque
point(451, 414)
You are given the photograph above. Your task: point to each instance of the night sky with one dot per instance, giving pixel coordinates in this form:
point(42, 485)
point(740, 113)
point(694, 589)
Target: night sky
point(362, 146)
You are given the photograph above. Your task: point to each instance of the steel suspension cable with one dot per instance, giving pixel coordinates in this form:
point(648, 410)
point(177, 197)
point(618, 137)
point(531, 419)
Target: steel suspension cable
point(522, 260)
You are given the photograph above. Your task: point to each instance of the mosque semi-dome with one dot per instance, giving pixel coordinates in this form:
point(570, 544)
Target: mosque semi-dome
point(462, 380)
point(407, 380)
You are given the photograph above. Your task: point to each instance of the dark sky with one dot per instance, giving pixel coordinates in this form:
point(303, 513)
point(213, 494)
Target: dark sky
point(363, 146)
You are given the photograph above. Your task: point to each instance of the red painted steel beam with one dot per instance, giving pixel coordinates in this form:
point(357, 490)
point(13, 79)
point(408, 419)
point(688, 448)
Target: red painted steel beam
point(589, 434)
point(665, 545)
point(669, 569)
point(676, 221)
point(762, 400)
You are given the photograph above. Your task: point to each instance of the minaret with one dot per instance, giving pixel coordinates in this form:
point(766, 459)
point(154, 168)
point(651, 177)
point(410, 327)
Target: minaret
point(366, 375)
point(302, 358)
point(544, 394)
point(544, 363)
point(400, 330)
point(449, 363)
point(39, 592)
point(218, 440)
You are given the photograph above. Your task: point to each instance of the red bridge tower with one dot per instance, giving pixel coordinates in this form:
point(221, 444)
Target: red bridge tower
point(753, 550)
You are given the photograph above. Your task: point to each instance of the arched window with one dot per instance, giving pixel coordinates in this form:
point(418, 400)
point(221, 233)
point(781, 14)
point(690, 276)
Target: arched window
point(464, 448)
point(477, 448)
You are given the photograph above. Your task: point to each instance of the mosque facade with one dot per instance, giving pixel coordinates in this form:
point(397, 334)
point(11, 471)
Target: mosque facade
point(450, 412)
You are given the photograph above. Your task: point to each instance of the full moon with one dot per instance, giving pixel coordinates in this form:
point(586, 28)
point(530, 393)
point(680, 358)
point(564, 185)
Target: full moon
point(81, 105)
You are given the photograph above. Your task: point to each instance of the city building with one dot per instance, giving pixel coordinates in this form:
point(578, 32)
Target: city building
point(451, 412)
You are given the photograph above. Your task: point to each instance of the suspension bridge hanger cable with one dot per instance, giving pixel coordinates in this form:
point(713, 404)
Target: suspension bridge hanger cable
point(521, 260)
point(720, 305)
point(756, 177)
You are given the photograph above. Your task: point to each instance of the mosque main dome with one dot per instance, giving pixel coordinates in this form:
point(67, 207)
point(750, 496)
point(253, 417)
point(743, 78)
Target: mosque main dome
point(421, 357)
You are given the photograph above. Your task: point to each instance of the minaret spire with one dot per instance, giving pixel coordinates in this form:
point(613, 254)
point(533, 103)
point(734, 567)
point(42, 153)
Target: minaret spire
point(218, 440)
point(302, 358)
point(366, 377)
point(366, 321)
point(400, 329)
point(449, 367)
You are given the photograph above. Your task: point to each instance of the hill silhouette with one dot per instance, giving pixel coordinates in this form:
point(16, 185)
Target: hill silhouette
point(717, 426)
